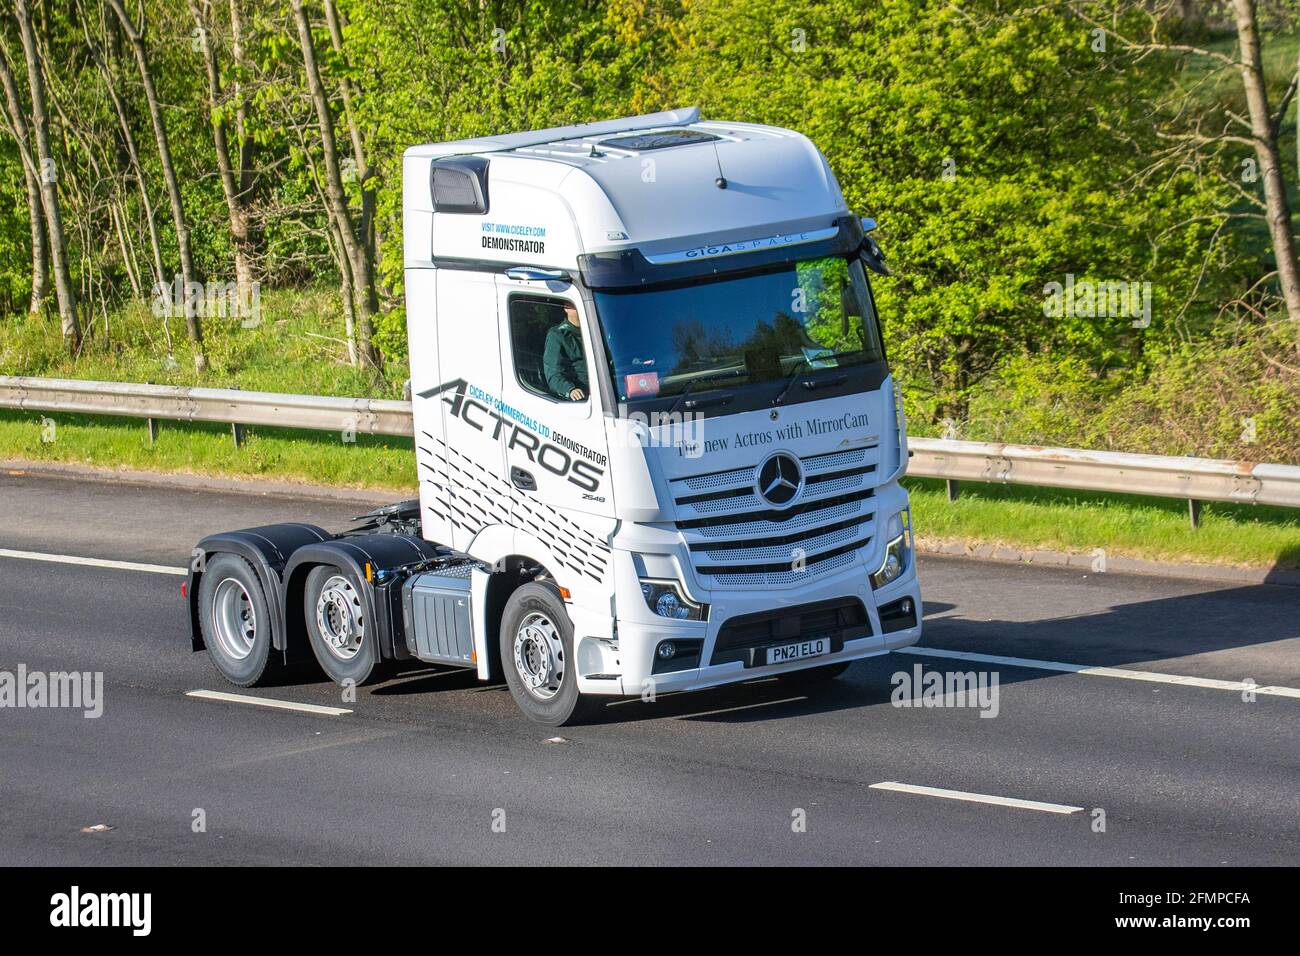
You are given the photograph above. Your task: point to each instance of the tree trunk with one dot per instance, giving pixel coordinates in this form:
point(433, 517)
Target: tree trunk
point(66, 295)
point(238, 212)
point(369, 228)
point(128, 262)
point(40, 246)
point(1265, 134)
point(345, 284)
point(35, 212)
point(244, 171)
point(136, 38)
point(246, 144)
point(161, 283)
point(357, 250)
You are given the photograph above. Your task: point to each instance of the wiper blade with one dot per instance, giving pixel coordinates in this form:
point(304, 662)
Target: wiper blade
point(681, 396)
point(812, 383)
point(803, 362)
point(723, 399)
point(698, 403)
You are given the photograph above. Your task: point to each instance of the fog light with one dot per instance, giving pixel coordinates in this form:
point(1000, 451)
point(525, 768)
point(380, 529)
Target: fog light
point(898, 615)
point(676, 655)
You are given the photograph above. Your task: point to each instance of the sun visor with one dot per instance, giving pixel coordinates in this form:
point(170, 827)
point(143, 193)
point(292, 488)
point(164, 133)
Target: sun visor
point(632, 268)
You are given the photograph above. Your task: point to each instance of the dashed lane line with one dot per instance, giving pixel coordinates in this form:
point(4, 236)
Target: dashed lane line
point(1123, 673)
point(267, 702)
point(1015, 802)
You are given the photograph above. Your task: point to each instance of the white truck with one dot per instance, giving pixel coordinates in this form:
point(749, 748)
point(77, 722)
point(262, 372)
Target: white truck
point(658, 442)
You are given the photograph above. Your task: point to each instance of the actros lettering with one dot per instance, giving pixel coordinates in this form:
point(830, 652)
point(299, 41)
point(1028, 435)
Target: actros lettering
point(538, 450)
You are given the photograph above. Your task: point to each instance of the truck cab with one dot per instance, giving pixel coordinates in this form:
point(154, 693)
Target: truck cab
point(657, 439)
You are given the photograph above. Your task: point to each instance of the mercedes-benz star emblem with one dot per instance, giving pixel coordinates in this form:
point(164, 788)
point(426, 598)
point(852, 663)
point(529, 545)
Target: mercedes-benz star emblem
point(779, 479)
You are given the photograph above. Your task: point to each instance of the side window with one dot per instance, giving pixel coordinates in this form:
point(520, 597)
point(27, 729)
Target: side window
point(547, 347)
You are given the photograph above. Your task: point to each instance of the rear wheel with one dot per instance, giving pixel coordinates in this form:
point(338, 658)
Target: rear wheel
point(538, 660)
point(338, 627)
point(814, 676)
point(235, 620)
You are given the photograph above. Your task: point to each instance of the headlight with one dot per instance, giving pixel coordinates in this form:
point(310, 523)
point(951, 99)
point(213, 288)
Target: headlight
point(666, 599)
point(898, 552)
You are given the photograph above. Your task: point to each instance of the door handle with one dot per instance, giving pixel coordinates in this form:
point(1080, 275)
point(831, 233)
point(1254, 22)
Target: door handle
point(522, 479)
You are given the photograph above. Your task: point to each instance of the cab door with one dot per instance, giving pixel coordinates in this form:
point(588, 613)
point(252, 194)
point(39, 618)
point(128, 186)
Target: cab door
point(467, 459)
point(556, 451)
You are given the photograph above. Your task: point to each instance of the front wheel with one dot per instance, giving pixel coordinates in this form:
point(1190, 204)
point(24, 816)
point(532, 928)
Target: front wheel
point(537, 657)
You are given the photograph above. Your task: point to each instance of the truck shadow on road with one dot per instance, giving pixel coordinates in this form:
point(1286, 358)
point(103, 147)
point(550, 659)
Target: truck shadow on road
point(1233, 623)
point(1223, 634)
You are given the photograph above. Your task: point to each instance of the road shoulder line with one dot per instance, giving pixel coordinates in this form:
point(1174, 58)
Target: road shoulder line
point(91, 562)
point(1123, 673)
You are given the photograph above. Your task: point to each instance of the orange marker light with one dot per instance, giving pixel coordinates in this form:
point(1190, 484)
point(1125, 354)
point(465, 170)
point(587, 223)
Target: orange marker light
point(564, 593)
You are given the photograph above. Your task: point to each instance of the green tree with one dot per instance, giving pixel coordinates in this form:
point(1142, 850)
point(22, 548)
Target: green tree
point(990, 141)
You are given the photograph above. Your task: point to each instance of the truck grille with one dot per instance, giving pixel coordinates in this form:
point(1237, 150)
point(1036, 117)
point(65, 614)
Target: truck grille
point(737, 539)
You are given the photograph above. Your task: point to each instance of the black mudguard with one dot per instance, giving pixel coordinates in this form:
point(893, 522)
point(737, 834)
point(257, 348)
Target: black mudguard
point(381, 588)
point(268, 550)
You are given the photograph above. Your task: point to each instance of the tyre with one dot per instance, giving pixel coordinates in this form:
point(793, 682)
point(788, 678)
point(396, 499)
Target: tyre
point(235, 620)
point(538, 660)
point(339, 629)
point(813, 676)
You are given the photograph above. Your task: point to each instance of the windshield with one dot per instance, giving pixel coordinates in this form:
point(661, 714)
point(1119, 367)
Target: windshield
point(800, 317)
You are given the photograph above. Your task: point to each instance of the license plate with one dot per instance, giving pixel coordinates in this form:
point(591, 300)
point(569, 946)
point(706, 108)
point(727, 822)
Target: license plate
point(812, 647)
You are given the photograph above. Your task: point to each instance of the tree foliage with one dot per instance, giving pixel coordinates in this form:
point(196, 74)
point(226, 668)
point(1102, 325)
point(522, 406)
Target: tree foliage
point(1003, 146)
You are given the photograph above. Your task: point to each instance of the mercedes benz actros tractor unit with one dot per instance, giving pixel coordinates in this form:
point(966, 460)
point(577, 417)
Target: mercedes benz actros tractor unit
point(657, 439)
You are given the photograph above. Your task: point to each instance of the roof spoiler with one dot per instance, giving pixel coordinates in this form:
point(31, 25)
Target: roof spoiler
point(496, 144)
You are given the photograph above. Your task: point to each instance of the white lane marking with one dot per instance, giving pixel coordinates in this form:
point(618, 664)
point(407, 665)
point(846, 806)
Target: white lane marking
point(1125, 673)
point(267, 702)
point(1121, 672)
point(976, 797)
point(91, 562)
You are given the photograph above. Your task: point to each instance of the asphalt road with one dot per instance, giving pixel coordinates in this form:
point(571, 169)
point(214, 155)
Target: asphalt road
point(430, 765)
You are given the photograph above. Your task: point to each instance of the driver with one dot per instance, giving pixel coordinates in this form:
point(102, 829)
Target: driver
point(562, 361)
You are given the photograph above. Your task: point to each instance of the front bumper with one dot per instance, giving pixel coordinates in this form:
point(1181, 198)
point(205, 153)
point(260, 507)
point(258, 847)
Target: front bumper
point(625, 665)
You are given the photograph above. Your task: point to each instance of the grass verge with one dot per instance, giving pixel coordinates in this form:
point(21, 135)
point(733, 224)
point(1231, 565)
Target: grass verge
point(297, 346)
point(273, 454)
point(1139, 527)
